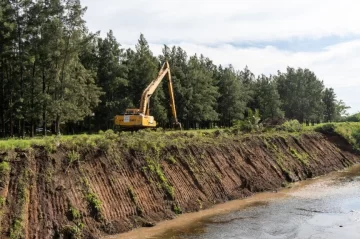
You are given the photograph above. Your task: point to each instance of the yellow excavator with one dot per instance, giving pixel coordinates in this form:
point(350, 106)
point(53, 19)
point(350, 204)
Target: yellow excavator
point(135, 119)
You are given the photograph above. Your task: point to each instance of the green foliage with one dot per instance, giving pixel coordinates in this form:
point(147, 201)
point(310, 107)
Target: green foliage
point(72, 232)
point(176, 208)
point(303, 157)
point(291, 126)
point(350, 131)
point(17, 229)
point(4, 168)
point(356, 136)
point(94, 204)
point(301, 94)
point(171, 159)
point(251, 122)
point(73, 156)
point(353, 118)
point(134, 200)
point(329, 100)
point(267, 98)
point(74, 214)
point(154, 167)
point(326, 128)
point(132, 194)
point(2, 202)
point(233, 96)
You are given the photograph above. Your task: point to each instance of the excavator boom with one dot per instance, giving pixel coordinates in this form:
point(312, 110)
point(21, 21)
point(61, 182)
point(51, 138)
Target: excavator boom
point(140, 118)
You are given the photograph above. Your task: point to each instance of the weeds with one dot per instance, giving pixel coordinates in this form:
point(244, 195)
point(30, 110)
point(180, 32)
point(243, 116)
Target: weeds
point(94, 204)
point(16, 230)
point(176, 208)
point(303, 157)
point(350, 131)
point(72, 232)
point(2, 202)
point(17, 226)
point(73, 156)
point(4, 169)
point(74, 214)
point(291, 126)
point(171, 159)
point(134, 200)
point(155, 168)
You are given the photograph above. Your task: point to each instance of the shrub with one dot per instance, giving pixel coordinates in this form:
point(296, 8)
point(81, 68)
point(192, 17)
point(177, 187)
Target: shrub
point(2, 201)
point(74, 214)
point(94, 204)
point(176, 208)
point(72, 232)
point(291, 126)
point(73, 156)
point(4, 168)
point(250, 123)
point(326, 128)
point(356, 136)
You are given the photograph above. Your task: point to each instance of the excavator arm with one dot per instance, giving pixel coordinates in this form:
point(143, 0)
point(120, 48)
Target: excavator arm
point(147, 93)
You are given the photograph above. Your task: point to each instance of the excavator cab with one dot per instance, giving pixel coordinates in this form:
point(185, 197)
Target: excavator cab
point(132, 119)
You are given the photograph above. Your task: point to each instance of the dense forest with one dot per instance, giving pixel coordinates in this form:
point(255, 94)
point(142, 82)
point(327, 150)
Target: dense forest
point(56, 76)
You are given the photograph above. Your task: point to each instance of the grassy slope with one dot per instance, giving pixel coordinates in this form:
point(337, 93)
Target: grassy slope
point(149, 139)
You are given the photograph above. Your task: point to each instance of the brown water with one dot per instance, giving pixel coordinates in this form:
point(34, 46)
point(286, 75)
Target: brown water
point(326, 207)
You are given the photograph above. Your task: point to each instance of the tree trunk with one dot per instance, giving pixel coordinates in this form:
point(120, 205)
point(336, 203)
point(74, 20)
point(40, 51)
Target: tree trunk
point(32, 100)
point(2, 97)
point(44, 103)
point(57, 125)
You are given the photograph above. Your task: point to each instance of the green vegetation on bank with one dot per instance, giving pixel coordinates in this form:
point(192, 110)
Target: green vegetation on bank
point(155, 140)
point(349, 130)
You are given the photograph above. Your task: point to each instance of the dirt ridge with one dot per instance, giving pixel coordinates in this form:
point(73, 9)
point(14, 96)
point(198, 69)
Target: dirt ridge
point(45, 196)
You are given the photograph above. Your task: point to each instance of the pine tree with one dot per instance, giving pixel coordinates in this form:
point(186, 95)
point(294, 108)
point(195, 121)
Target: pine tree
point(267, 98)
point(233, 99)
point(143, 68)
point(329, 100)
point(112, 78)
point(203, 92)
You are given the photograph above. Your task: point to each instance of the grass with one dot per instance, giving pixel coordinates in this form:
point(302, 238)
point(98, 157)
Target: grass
point(72, 231)
point(17, 227)
point(4, 169)
point(94, 204)
point(74, 214)
point(156, 140)
point(134, 200)
point(154, 167)
point(303, 157)
point(2, 201)
point(349, 130)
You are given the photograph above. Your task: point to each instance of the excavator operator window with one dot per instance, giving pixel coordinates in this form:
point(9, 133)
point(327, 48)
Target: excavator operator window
point(131, 112)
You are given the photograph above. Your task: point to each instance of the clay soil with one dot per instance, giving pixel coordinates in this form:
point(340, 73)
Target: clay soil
point(46, 195)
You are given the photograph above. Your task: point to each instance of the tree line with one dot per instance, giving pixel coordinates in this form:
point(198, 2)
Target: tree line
point(57, 76)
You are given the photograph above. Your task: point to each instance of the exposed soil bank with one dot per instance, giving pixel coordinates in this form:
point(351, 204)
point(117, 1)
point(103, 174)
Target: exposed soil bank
point(320, 206)
point(60, 195)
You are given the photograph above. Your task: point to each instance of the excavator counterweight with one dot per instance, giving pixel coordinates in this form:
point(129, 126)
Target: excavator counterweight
point(134, 119)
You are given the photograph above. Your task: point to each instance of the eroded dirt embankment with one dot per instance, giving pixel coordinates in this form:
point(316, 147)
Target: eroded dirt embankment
point(59, 195)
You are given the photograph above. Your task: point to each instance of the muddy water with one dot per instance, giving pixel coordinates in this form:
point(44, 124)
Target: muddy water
point(326, 207)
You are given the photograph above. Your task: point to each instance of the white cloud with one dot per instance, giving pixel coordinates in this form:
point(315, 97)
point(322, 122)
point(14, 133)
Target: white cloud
point(207, 26)
point(210, 21)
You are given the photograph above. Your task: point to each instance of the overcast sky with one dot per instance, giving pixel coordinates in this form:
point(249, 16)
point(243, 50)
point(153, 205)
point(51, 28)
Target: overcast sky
point(266, 35)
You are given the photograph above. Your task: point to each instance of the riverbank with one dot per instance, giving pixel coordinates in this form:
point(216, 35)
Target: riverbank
point(85, 188)
point(242, 215)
